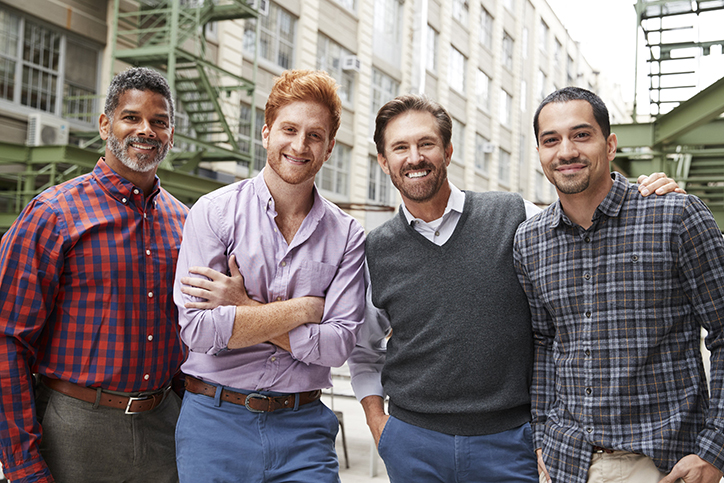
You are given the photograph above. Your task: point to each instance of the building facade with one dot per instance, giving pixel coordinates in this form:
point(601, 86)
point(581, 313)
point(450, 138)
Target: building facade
point(489, 62)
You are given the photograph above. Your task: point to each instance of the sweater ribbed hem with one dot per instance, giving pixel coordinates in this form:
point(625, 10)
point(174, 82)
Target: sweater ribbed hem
point(468, 424)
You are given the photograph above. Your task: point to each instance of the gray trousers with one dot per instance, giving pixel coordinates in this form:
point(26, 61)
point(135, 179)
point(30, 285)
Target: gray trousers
point(81, 444)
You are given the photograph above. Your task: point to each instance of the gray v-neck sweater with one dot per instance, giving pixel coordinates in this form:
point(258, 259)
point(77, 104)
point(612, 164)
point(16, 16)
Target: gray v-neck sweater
point(460, 357)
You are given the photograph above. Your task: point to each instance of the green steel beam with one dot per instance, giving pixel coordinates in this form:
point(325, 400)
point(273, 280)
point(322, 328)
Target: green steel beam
point(634, 135)
point(705, 106)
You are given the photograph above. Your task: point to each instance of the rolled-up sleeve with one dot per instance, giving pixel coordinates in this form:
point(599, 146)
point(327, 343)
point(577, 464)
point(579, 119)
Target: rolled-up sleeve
point(206, 331)
point(330, 342)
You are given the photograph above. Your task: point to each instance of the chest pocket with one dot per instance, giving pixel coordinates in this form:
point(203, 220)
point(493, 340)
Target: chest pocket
point(314, 277)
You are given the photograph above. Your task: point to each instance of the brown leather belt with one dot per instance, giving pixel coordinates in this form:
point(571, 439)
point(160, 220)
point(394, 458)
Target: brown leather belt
point(256, 403)
point(598, 449)
point(131, 404)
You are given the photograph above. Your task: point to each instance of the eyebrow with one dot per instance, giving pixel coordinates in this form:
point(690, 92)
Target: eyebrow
point(584, 125)
point(130, 111)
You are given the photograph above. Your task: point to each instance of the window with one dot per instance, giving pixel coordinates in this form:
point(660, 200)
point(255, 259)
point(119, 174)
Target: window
point(276, 36)
point(571, 71)
point(460, 11)
point(504, 168)
point(510, 5)
point(458, 140)
point(543, 36)
point(482, 90)
point(507, 50)
point(259, 155)
point(39, 66)
point(485, 33)
point(329, 58)
point(483, 153)
point(387, 36)
point(384, 88)
point(524, 40)
point(334, 175)
point(348, 4)
point(558, 52)
point(456, 70)
point(542, 89)
point(523, 95)
point(431, 63)
point(379, 188)
point(506, 108)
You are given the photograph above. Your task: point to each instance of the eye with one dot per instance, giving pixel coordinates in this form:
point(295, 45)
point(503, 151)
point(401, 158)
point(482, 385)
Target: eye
point(582, 135)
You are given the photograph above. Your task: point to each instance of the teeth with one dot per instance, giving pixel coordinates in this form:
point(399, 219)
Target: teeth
point(418, 174)
point(142, 146)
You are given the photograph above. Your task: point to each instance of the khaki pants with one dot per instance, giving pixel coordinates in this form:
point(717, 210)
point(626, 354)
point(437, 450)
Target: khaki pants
point(623, 467)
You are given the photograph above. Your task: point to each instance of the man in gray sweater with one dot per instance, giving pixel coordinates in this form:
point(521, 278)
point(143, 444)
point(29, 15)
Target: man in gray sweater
point(457, 364)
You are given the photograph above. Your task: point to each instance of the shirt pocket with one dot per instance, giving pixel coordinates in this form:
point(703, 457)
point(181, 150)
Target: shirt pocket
point(314, 278)
point(642, 280)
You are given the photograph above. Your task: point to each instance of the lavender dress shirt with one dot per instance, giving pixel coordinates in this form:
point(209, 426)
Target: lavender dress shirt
point(325, 259)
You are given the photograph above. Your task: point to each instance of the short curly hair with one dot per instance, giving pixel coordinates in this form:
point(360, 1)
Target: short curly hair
point(142, 79)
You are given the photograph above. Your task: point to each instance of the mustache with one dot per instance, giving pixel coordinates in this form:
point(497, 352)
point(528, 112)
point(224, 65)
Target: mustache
point(135, 139)
point(416, 167)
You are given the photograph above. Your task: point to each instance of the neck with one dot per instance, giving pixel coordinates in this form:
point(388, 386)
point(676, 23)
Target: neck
point(430, 209)
point(290, 199)
point(580, 207)
point(145, 181)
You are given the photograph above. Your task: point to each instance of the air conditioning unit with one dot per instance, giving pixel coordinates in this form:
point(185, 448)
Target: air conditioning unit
point(351, 62)
point(47, 130)
point(261, 5)
point(488, 147)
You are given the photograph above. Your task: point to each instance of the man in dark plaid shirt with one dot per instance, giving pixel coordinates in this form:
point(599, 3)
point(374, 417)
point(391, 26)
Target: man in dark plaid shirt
point(619, 286)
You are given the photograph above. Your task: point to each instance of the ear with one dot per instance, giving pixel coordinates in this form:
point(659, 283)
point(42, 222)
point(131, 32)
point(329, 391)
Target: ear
point(448, 154)
point(265, 136)
point(382, 161)
point(104, 126)
point(170, 139)
point(611, 145)
point(329, 150)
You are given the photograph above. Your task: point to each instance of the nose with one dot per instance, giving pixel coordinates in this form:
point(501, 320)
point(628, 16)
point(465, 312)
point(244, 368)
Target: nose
point(144, 128)
point(568, 149)
point(298, 142)
point(415, 155)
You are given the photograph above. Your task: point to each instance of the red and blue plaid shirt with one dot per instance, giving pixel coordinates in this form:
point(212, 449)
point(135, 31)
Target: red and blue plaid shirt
point(86, 277)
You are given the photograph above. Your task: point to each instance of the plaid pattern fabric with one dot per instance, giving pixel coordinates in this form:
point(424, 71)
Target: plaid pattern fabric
point(616, 313)
point(86, 274)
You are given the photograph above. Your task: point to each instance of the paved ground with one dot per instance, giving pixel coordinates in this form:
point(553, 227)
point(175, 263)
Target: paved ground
point(363, 468)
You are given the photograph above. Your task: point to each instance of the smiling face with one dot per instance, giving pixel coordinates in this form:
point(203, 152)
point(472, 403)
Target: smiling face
point(139, 135)
point(298, 141)
point(414, 156)
point(573, 151)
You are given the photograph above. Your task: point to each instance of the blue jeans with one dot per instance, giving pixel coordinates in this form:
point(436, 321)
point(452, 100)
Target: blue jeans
point(414, 454)
point(217, 441)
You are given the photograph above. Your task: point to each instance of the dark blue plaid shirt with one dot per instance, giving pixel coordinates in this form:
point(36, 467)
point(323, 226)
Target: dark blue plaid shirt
point(617, 311)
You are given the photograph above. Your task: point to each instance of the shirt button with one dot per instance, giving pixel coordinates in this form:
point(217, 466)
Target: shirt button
point(587, 239)
point(587, 352)
point(273, 359)
point(147, 377)
point(588, 314)
point(284, 264)
point(634, 258)
point(124, 200)
point(278, 299)
point(587, 276)
point(590, 430)
point(150, 295)
point(589, 391)
point(437, 233)
point(150, 338)
point(135, 191)
point(148, 252)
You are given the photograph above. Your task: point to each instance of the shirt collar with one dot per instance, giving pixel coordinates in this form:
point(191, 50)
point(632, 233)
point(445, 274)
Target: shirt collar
point(262, 192)
point(120, 188)
point(455, 202)
point(610, 206)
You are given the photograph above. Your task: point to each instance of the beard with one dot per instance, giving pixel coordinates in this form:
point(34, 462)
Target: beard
point(570, 184)
point(142, 163)
point(420, 191)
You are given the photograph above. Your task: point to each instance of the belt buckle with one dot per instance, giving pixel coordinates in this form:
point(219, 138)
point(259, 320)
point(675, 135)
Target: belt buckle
point(254, 395)
point(132, 399)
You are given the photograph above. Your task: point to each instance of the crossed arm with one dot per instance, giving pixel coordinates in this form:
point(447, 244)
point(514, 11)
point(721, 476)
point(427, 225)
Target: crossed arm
point(254, 322)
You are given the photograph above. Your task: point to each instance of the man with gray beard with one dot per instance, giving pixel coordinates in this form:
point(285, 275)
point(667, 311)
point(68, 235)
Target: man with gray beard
point(86, 276)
